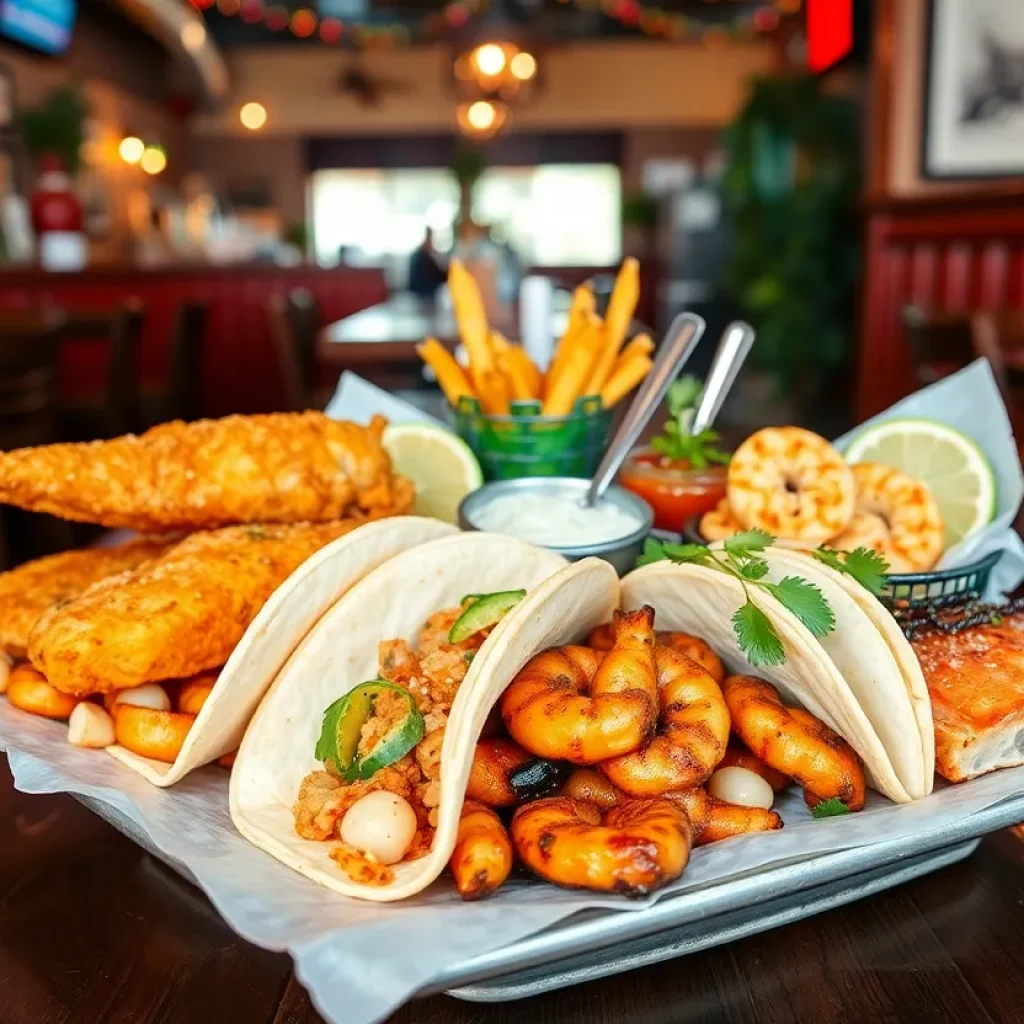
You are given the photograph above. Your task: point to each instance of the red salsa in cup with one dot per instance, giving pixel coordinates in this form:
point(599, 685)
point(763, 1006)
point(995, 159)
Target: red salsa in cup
point(675, 490)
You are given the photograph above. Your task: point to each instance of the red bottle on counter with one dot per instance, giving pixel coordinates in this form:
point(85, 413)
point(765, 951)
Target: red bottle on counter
point(57, 217)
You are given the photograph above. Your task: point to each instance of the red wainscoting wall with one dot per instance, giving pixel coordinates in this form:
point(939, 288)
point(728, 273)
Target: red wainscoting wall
point(955, 255)
point(241, 372)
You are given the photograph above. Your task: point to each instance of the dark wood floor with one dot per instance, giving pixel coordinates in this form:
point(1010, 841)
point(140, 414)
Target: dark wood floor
point(94, 931)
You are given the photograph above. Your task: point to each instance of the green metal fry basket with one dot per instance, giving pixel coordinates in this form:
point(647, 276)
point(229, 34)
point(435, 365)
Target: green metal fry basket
point(909, 594)
point(525, 443)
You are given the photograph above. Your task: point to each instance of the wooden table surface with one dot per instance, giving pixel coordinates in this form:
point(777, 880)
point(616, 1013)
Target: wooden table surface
point(95, 931)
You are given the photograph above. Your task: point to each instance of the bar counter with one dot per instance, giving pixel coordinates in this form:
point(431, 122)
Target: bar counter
point(241, 372)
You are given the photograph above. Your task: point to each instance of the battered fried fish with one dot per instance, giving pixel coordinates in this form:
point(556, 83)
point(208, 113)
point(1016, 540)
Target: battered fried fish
point(281, 468)
point(30, 589)
point(175, 616)
point(976, 682)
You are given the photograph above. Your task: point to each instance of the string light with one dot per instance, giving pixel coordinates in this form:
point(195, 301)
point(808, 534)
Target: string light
point(523, 65)
point(153, 159)
point(131, 149)
point(303, 23)
point(331, 30)
point(490, 59)
point(253, 116)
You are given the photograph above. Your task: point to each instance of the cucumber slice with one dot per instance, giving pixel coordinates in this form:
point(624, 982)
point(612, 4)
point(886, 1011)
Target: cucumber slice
point(485, 611)
point(343, 722)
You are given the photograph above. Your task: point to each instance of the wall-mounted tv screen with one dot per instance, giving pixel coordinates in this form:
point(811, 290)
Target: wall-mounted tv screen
point(41, 24)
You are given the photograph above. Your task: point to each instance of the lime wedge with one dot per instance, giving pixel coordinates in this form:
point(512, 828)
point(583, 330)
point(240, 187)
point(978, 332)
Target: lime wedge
point(949, 462)
point(440, 464)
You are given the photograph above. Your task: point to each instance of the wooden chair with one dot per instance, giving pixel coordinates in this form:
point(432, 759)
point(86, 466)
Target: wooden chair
point(294, 325)
point(182, 398)
point(999, 337)
point(940, 343)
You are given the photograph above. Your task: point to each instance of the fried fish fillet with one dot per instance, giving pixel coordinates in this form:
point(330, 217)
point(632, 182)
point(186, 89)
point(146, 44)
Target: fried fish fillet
point(280, 468)
point(976, 682)
point(29, 590)
point(175, 616)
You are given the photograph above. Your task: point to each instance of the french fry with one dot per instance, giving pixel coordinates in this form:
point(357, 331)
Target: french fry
point(579, 362)
point(515, 365)
point(580, 309)
point(452, 378)
point(471, 319)
point(625, 379)
point(495, 392)
point(640, 345)
point(621, 307)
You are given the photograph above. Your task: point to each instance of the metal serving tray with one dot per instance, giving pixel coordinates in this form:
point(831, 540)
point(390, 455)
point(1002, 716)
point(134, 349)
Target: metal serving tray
point(599, 943)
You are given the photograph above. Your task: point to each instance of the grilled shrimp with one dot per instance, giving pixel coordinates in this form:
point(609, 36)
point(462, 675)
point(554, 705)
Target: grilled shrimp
point(482, 857)
point(631, 849)
point(794, 742)
point(720, 523)
point(739, 757)
point(909, 511)
point(494, 758)
point(602, 637)
point(714, 820)
point(589, 784)
point(574, 704)
point(791, 483)
point(693, 732)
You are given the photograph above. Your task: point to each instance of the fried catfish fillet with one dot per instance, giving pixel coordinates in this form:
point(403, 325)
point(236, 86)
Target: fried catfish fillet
point(280, 468)
point(29, 590)
point(175, 616)
point(976, 682)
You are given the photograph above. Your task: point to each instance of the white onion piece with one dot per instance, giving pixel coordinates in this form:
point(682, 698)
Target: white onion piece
point(90, 726)
point(149, 695)
point(380, 824)
point(741, 786)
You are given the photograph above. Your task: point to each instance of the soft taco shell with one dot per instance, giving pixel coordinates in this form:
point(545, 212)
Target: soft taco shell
point(275, 632)
point(849, 649)
point(341, 651)
point(694, 599)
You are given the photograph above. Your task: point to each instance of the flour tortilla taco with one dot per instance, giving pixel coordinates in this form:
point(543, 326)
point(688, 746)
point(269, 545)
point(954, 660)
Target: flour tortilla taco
point(702, 601)
point(387, 696)
point(275, 632)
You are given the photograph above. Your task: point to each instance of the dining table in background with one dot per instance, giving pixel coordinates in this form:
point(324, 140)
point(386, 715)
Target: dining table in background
point(95, 930)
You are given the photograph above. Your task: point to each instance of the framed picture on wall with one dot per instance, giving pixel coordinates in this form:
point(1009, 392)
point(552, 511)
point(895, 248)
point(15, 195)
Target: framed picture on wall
point(974, 90)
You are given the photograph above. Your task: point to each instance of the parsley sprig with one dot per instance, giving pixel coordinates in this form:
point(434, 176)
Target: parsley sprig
point(676, 442)
point(739, 558)
point(867, 567)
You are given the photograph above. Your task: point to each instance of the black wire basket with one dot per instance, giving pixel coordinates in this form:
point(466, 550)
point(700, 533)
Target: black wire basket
point(908, 595)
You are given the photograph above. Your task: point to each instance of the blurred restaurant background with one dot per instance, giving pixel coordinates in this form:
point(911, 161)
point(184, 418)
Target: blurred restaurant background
point(218, 207)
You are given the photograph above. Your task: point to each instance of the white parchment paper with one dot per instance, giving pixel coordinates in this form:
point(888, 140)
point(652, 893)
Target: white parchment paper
point(362, 960)
point(969, 401)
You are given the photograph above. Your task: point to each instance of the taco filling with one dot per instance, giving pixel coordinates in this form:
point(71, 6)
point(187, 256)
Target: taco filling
point(385, 736)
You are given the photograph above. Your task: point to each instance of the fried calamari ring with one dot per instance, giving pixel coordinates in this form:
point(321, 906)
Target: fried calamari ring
point(792, 484)
point(602, 637)
point(739, 757)
point(631, 849)
point(29, 691)
point(568, 704)
point(494, 758)
point(482, 857)
point(794, 742)
point(693, 730)
point(148, 733)
point(714, 820)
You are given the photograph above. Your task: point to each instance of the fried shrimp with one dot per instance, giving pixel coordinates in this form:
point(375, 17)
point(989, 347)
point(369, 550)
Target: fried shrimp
point(794, 742)
point(720, 523)
point(493, 760)
point(791, 483)
point(714, 820)
point(573, 704)
point(29, 691)
point(739, 757)
point(601, 638)
point(692, 735)
point(482, 857)
point(149, 733)
point(909, 511)
point(631, 849)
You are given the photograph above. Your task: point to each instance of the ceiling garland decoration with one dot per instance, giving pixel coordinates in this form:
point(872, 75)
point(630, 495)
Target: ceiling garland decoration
point(304, 23)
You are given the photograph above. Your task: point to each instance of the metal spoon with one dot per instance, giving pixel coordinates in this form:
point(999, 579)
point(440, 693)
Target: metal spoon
point(732, 351)
point(679, 343)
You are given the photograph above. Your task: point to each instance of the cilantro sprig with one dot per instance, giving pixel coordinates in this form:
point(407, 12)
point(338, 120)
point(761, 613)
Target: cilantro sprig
point(739, 558)
point(676, 442)
point(867, 567)
point(831, 808)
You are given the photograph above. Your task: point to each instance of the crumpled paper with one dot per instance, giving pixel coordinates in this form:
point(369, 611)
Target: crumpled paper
point(969, 401)
point(360, 960)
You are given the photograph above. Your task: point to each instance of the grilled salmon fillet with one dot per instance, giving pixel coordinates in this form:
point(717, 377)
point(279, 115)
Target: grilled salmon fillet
point(280, 468)
point(976, 682)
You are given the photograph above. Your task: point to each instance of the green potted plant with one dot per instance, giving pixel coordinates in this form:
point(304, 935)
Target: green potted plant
point(57, 125)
